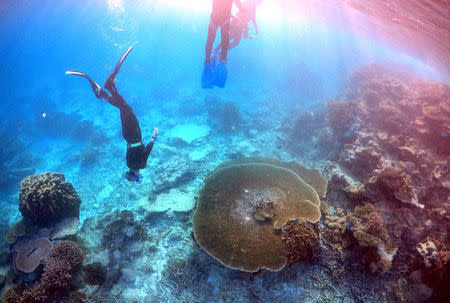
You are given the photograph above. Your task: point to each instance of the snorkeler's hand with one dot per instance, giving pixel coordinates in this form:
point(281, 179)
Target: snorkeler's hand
point(155, 134)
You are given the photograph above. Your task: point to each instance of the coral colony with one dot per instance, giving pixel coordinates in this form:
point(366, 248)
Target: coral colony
point(368, 222)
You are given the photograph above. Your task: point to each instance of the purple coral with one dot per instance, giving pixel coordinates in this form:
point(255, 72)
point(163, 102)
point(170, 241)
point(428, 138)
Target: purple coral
point(60, 265)
point(30, 253)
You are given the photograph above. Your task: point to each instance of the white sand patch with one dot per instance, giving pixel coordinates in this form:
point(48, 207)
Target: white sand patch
point(188, 132)
point(199, 154)
point(105, 192)
point(174, 200)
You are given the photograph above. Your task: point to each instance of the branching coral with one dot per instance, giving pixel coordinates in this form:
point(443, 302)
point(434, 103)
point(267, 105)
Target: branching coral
point(94, 273)
point(399, 185)
point(341, 118)
point(301, 237)
point(47, 198)
point(367, 227)
point(436, 257)
point(60, 264)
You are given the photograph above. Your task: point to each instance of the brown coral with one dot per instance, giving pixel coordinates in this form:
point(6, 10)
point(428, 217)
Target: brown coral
point(29, 253)
point(399, 185)
point(94, 273)
point(437, 261)
point(300, 237)
point(47, 198)
point(368, 229)
point(241, 207)
point(60, 264)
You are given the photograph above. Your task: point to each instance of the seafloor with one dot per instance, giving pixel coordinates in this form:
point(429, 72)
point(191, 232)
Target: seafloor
point(383, 145)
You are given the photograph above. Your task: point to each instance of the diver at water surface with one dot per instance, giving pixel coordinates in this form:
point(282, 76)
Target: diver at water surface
point(239, 26)
point(220, 17)
point(137, 152)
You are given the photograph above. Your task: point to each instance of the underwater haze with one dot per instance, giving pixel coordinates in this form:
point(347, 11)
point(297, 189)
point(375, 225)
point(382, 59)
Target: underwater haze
point(319, 173)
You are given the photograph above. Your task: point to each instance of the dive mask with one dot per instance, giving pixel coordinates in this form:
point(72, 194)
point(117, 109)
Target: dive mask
point(132, 176)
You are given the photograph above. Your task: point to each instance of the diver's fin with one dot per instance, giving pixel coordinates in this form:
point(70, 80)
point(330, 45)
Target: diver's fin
point(109, 84)
point(207, 76)
point(95, 87)
point(220, 75)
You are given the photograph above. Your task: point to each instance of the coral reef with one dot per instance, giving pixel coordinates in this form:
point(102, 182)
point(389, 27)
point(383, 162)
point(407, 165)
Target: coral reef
point(21, 228)
point(94, 273)
point(224, 116)
point(115, 241)
point(368, 228)
point(251, 201)
point(63, 260)
point(365, 228)
point(301, 238)
point(397, 183)
point(436, 258)
point(47, 198)
point(55, 281)
point(30, 252)
point(173, 173)
point(392, 152)
point(428, 252)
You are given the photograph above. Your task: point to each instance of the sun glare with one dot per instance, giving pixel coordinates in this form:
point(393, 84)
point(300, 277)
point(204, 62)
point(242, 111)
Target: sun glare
point(115, 5)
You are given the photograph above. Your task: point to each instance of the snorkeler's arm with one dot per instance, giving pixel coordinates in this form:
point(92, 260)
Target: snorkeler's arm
point(149, 146)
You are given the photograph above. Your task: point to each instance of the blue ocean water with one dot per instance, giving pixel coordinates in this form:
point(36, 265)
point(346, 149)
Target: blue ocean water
point(50, 121)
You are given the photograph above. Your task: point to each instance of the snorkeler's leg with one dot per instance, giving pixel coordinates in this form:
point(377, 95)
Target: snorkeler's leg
point(235, 40)
point(109, 84)
point(131, 130)
point(207, 75)
point(116, 99)
point(225, 39)
point(212, 29)
point(98, 91)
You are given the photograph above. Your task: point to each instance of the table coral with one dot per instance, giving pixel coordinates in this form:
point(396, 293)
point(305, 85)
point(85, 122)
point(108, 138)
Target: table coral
point(241, 208)
point(47, 198)
point(30, 252)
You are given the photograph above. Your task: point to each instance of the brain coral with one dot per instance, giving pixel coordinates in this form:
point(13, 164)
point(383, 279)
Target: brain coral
point(47, 197)
point(241, 209)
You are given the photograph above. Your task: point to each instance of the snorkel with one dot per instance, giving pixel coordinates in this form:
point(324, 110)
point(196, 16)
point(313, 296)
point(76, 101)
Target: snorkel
point(133, 175)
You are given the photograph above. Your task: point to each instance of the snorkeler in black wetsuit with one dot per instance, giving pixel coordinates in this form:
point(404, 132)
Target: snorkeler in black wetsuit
point(137, 152)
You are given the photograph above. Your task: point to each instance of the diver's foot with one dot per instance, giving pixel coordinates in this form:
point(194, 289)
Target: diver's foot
point(220, 74)
point(109, 84)
point(207, 76)
point(95, 87)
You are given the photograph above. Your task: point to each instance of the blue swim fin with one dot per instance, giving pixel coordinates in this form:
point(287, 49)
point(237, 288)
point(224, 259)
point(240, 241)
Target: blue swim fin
point(220, 75)
point(207, 77)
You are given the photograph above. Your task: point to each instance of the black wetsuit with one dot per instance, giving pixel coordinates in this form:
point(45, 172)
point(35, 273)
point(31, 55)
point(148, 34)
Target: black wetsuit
point(136, 156)
point(137, 152)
